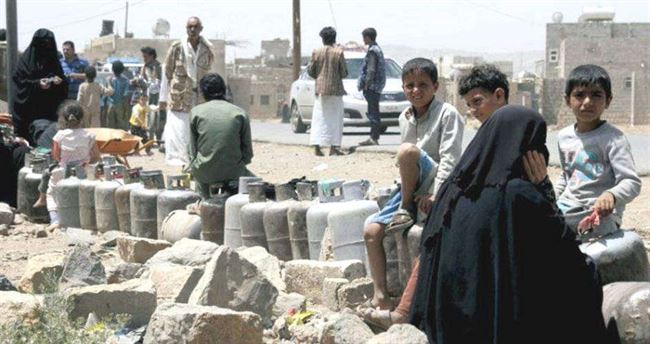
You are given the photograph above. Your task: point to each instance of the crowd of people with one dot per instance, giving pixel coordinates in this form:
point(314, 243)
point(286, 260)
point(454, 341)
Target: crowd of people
point(498, 261)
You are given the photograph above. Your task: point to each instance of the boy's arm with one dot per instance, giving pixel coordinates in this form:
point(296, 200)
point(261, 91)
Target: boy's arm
point(371, 69)
point(450, 149)
point(561, 182)
point(628, 183)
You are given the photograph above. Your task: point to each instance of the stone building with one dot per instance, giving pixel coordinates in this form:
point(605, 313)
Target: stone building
point(620, 48)
point(115, 46)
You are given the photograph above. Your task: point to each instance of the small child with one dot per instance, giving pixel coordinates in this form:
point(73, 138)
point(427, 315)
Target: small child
point(90, 95)
point(138, 121)
point(431, 134)
point(71, 144)
point(598, 173)
point(118, 103)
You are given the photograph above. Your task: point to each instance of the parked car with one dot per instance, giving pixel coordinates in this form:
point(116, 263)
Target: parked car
point(391, 104)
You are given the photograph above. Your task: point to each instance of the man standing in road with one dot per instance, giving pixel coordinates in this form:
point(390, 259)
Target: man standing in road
point(372, 81)
point(74, 69)
point(188, 60)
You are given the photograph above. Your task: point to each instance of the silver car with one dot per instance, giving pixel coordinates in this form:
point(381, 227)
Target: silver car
point(391, 103)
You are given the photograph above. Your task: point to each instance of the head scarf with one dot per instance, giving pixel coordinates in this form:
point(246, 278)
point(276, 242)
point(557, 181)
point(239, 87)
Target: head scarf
point(38, 61)
point(492, 158)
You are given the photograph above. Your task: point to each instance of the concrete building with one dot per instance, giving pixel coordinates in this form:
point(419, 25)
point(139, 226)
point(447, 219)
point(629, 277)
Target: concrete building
point(620, 48)
point(449, 63)
point(115, 46)
point(275, 52)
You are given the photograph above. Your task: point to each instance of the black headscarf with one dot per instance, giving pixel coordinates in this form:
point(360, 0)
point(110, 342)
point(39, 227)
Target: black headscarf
point(497, 263)
point(31, 102)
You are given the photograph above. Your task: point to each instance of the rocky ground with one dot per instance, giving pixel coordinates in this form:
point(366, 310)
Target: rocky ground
point(275, 163)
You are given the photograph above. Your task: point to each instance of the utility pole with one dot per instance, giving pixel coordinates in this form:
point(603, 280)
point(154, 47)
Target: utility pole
point(126, 19)
point(296, 39)
point(12, 49)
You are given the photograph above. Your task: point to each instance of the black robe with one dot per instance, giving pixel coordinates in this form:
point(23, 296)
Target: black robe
point(31, 102)
point(498, 264)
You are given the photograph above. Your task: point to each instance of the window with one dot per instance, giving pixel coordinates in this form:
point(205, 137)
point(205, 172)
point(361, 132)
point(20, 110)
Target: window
point(553, 55)
point(628, 82)
point(252, 99)
point(265, 100)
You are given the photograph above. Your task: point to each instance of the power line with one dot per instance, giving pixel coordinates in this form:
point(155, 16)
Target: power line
point(527, 21)
point(91, 17)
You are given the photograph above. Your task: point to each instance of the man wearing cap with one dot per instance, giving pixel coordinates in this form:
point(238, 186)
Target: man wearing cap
point(220, 145)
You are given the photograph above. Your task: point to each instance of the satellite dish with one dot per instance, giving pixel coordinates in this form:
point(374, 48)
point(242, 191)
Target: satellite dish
point(161, 27)
point(557, 17)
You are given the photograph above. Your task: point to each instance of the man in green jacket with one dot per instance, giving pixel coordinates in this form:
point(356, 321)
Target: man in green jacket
point(221, 144)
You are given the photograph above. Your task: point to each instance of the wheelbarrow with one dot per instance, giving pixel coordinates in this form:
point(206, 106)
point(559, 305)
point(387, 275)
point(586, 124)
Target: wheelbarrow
point(118, 143)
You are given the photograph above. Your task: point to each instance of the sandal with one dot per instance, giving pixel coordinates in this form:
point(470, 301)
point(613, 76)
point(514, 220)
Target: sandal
point(402, 219)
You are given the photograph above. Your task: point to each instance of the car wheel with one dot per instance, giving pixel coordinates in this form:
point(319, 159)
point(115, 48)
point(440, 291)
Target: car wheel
point(297, 125)
point(383, 129)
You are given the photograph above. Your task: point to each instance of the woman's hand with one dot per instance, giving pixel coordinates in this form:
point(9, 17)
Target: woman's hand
point(56, 80)
point(535, 166)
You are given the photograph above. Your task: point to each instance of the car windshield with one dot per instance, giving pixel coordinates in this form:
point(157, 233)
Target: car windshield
point(393, 70)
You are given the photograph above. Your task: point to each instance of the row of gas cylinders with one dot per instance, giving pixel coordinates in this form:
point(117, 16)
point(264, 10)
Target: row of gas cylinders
point(290, 226)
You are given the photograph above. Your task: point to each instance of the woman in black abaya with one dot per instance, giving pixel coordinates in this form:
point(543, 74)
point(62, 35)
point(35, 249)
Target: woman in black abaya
point(497, 263)
point(40, 87)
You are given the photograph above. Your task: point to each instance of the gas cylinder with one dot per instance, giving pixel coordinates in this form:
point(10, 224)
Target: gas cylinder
point(66, 194)
point(619, 256)
point(297, 220)
point(251, 217)
point(87, 215)
point(346, 224)
point(329, 194)
point(355, 190)
point(213, 211)
point(180, 224)
point(105, 209)
point(123, 198)
point(143, 202)
point(276, 225)
point(232, 225)
point(31, 193)
point(177, 196)
point(384, 195)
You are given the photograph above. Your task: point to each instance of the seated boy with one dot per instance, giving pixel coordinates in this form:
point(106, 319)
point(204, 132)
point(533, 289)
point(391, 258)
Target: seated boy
point(431, 134)
point(598, 172)
point(484, 89)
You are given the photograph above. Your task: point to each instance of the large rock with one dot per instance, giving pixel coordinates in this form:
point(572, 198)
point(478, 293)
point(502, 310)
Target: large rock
point(79, 236)
point(188, 252)
point(351, 295)
point(231, 281)
point(400, 333)
point(5, 284)
point(82, 267)
point(330, 295)
point(123, 272)
point(306, 277)
point(42, 273)
point(346, 329)
point(135, 297)
point(626, 310)
point(267, 263)
point(109, 239)
point(181, 323)
point(6, 214)
point(15, 306)
point(285, 301)
point(174, 283)
point(139, 250)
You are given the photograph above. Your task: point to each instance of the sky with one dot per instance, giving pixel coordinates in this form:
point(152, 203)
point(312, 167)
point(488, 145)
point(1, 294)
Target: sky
point(469, 25)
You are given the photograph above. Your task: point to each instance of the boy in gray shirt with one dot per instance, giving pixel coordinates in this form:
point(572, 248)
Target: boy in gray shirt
point(598, 172)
